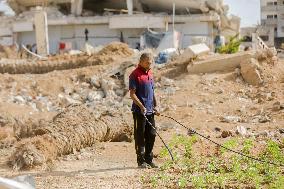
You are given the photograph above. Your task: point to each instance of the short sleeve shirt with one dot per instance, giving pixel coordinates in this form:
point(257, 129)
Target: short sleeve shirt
point(143, 82)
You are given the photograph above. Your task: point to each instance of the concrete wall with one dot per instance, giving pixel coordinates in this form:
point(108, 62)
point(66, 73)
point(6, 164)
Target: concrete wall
point(194, 29)
point(54, 38)
point(26, 38)
point(100, 34)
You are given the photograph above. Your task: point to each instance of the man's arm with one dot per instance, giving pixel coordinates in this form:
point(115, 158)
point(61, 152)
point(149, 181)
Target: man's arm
point(137, 101)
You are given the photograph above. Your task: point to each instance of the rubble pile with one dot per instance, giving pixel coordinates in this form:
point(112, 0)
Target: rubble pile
point(73, 129)
point(262, 69)
point(94, 100)
point(9, 52)
point(112, 52)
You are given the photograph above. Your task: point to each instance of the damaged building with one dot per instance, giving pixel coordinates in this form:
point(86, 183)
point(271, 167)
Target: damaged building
point(72, 23)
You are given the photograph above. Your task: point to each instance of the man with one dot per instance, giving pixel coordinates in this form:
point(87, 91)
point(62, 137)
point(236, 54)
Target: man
point(141, 86)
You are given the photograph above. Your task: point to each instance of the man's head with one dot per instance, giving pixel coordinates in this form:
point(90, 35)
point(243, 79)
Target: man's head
point(146, 60)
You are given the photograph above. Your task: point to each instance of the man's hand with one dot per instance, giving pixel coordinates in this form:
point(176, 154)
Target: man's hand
point(156, 111)
point(143, 110)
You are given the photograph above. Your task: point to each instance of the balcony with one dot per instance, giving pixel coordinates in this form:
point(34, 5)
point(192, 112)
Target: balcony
point(269, 8)
point(269, 22)
point(280, 8)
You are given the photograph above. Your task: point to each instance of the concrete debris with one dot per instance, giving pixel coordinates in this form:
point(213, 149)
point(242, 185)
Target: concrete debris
point(14, 183)
point(19, 99)
point(67, 100)
point(241, 130)
point(263, 134)
point(250, 71)
point(108, 86)
point(90, 50)
point(268, 55)
point(26, 179)
point(230, 119)
point(166, 81)
point(75, 52)
point(262, 118)
point(192, 52)
point(224, 63)
point(95, 81)
point(197, 50)
point(95, 96)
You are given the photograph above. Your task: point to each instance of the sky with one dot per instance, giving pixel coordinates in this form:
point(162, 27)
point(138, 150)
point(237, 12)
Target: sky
point(248, 10)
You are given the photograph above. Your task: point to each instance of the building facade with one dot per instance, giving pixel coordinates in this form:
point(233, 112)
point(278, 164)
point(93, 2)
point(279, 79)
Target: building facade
point(116, 20)
point(272, 18)
point(269, 14)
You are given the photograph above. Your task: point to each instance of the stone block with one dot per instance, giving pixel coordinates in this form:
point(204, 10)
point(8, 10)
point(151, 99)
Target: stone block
point(222, 63)
point(250, 72)
point(198, 49)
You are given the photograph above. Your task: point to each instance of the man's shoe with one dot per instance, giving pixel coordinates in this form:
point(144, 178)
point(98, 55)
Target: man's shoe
point(143, 165)
point(153, 165)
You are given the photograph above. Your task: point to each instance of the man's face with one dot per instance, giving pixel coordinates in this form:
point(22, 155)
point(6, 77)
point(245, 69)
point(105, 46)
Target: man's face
point(146, 63)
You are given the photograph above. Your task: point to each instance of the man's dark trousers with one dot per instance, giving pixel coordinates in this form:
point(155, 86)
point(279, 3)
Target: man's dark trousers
point(144, 135)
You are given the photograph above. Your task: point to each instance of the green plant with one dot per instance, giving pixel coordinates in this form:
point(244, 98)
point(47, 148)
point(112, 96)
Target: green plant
point(228, 170)
point(232, 46)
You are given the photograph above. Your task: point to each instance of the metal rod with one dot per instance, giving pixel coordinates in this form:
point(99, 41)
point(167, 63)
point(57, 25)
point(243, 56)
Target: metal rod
point(172, 157)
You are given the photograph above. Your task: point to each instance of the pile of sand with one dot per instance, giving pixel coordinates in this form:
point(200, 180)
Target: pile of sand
point(113, 52)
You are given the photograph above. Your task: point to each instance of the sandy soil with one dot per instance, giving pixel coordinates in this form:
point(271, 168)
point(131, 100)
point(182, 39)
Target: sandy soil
point(202, 102)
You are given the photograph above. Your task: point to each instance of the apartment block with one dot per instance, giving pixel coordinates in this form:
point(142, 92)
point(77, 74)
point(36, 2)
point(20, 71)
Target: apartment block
point(272, 19)
point(269, 14)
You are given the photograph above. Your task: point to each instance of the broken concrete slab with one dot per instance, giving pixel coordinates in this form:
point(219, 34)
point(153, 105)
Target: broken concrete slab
point(224, 63)
point(241, 130)
point(198, 49)
point(193, 51)
point(250, 72)
point(4, 182)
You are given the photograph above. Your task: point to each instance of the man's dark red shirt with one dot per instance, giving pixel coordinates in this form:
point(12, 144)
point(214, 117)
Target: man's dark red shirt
point(143, 82)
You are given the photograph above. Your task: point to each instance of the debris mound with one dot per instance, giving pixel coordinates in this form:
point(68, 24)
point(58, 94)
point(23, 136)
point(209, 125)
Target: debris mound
point(71, 130)
point(109, 54)
point(116, 49)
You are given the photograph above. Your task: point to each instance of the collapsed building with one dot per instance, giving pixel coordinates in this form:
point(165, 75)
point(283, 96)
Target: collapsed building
point(99, 22)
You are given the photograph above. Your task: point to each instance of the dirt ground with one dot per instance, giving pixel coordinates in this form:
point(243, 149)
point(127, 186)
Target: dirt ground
point(212, 104)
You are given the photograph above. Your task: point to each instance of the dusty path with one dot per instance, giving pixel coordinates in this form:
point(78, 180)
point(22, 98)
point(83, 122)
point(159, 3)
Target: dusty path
point(109, 165)
point(105, 165)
